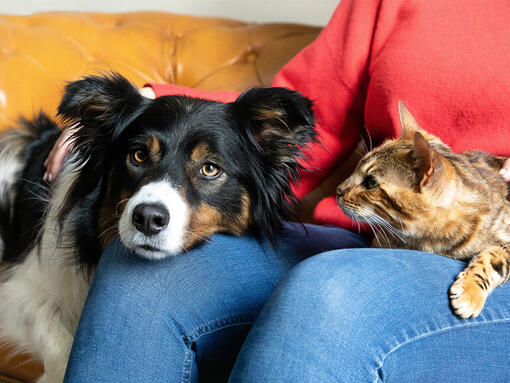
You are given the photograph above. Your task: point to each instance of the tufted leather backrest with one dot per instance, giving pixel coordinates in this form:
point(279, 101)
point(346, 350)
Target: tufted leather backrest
point(38, 53)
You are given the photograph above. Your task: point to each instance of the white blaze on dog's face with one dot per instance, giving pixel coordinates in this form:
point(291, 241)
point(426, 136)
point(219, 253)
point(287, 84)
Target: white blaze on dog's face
point(154, 221)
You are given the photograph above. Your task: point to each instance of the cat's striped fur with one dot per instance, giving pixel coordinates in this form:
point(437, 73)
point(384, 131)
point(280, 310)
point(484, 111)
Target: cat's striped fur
point(425, 197)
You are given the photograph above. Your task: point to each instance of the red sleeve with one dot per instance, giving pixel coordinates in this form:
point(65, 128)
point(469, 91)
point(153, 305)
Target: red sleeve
point(333, 72)
point(177, 90)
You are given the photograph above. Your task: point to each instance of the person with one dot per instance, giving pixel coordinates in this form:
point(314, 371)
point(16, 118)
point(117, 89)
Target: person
point(238, 309)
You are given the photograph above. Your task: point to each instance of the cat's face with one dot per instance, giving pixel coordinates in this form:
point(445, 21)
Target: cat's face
point(404, 183)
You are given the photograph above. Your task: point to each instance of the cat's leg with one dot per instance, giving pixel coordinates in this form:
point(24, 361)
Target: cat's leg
point(485, 272)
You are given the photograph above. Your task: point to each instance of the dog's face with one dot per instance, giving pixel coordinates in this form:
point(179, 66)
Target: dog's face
point(182, 172)
point(168, 173)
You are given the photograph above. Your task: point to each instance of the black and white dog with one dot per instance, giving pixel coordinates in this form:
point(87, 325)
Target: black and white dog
point(164, 174)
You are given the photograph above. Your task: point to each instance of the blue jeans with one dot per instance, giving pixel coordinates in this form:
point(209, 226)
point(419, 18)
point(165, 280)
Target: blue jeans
point(352, 315)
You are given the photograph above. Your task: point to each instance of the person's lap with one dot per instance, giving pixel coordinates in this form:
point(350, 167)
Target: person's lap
point(174, 319)
point(373, 315)
point(157, 320)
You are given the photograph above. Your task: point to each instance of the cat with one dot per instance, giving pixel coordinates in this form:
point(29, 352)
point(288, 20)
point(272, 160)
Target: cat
point(431, 199)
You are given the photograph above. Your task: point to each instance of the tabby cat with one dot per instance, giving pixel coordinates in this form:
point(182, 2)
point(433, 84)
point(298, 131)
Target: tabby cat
point(426, 197)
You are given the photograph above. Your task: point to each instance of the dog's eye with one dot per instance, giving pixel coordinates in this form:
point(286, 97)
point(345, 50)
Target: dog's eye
point(210, 170)
point(139, 156)
point(370, 182)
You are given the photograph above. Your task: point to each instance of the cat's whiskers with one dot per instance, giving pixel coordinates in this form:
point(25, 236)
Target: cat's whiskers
point(381, 230)
point(371, 146)
point(362, 148)
point(366, 216)
point(375, 219)
point(375, 235)
point(363, 214)
point(397, 234)
point(401, 224)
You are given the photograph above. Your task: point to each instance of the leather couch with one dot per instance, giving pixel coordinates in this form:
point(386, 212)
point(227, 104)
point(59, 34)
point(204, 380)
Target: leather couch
point(39, 53)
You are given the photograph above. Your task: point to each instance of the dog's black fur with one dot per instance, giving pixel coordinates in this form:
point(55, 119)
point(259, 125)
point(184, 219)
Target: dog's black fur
point(162, 174)
point(21, 218)
point(256, 140)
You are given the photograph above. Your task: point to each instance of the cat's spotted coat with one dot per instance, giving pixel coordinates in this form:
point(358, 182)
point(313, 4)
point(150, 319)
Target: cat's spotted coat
point(426, 197)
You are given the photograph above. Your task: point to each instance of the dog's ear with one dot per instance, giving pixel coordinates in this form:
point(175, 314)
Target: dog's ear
point(102, 107)
point(279, 123)
point(101, 104)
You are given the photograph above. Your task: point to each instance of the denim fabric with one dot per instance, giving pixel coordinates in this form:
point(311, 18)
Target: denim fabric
point(357, 315)
point(374, 315)
point(169, 320)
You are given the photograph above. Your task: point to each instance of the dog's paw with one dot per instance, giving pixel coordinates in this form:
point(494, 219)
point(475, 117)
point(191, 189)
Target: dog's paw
point(466, 296)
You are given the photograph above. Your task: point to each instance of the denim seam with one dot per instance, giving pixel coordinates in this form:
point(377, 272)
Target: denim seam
point(186, 374)
point(432, 333)
point(208, 328)
point(217, 324)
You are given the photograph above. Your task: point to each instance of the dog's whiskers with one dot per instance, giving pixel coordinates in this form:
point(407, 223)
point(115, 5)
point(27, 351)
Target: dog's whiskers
point(119, 203)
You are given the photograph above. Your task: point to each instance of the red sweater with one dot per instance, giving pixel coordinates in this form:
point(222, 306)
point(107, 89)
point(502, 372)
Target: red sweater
point(447, 60)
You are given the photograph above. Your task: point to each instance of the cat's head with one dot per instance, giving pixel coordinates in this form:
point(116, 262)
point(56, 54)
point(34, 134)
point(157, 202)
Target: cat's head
point(401, 181)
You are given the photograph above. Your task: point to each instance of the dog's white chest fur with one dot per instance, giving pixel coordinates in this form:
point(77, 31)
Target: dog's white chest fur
point(43, 296)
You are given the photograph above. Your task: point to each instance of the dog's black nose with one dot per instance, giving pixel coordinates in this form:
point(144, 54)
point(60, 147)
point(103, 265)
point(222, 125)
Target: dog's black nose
point(339, 192)
point(150, 218)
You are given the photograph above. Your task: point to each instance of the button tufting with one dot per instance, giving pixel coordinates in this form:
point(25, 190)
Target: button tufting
point(251, 57)
point(39, 53)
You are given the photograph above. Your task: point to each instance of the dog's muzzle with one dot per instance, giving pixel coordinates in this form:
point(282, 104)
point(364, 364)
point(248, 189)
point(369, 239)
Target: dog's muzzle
point(145, 225)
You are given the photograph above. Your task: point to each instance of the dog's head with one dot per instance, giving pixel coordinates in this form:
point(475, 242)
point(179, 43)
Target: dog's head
point(170, 172)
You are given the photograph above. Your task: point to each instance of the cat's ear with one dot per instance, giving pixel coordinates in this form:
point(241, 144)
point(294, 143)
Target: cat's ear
point(410, 126)
point(428, 162)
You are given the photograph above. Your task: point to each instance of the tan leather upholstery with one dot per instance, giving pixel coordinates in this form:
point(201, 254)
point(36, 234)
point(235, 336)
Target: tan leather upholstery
point(39, 53)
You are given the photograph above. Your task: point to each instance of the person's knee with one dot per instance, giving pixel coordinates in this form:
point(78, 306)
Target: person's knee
point(345, 282)
point(327, 302)
point(228, 271)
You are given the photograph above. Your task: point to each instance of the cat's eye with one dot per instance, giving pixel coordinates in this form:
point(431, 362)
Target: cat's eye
point(210, 170)
point(139, 156)
point(370, 182)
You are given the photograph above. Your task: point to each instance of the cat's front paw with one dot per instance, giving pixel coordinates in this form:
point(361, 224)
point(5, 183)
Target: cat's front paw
point(466, 296)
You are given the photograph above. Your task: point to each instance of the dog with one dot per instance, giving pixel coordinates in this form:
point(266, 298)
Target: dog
point(163, 175)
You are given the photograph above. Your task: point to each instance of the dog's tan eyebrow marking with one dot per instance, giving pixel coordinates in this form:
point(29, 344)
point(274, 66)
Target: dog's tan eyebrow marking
point(200, 152)
point(154, 148)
